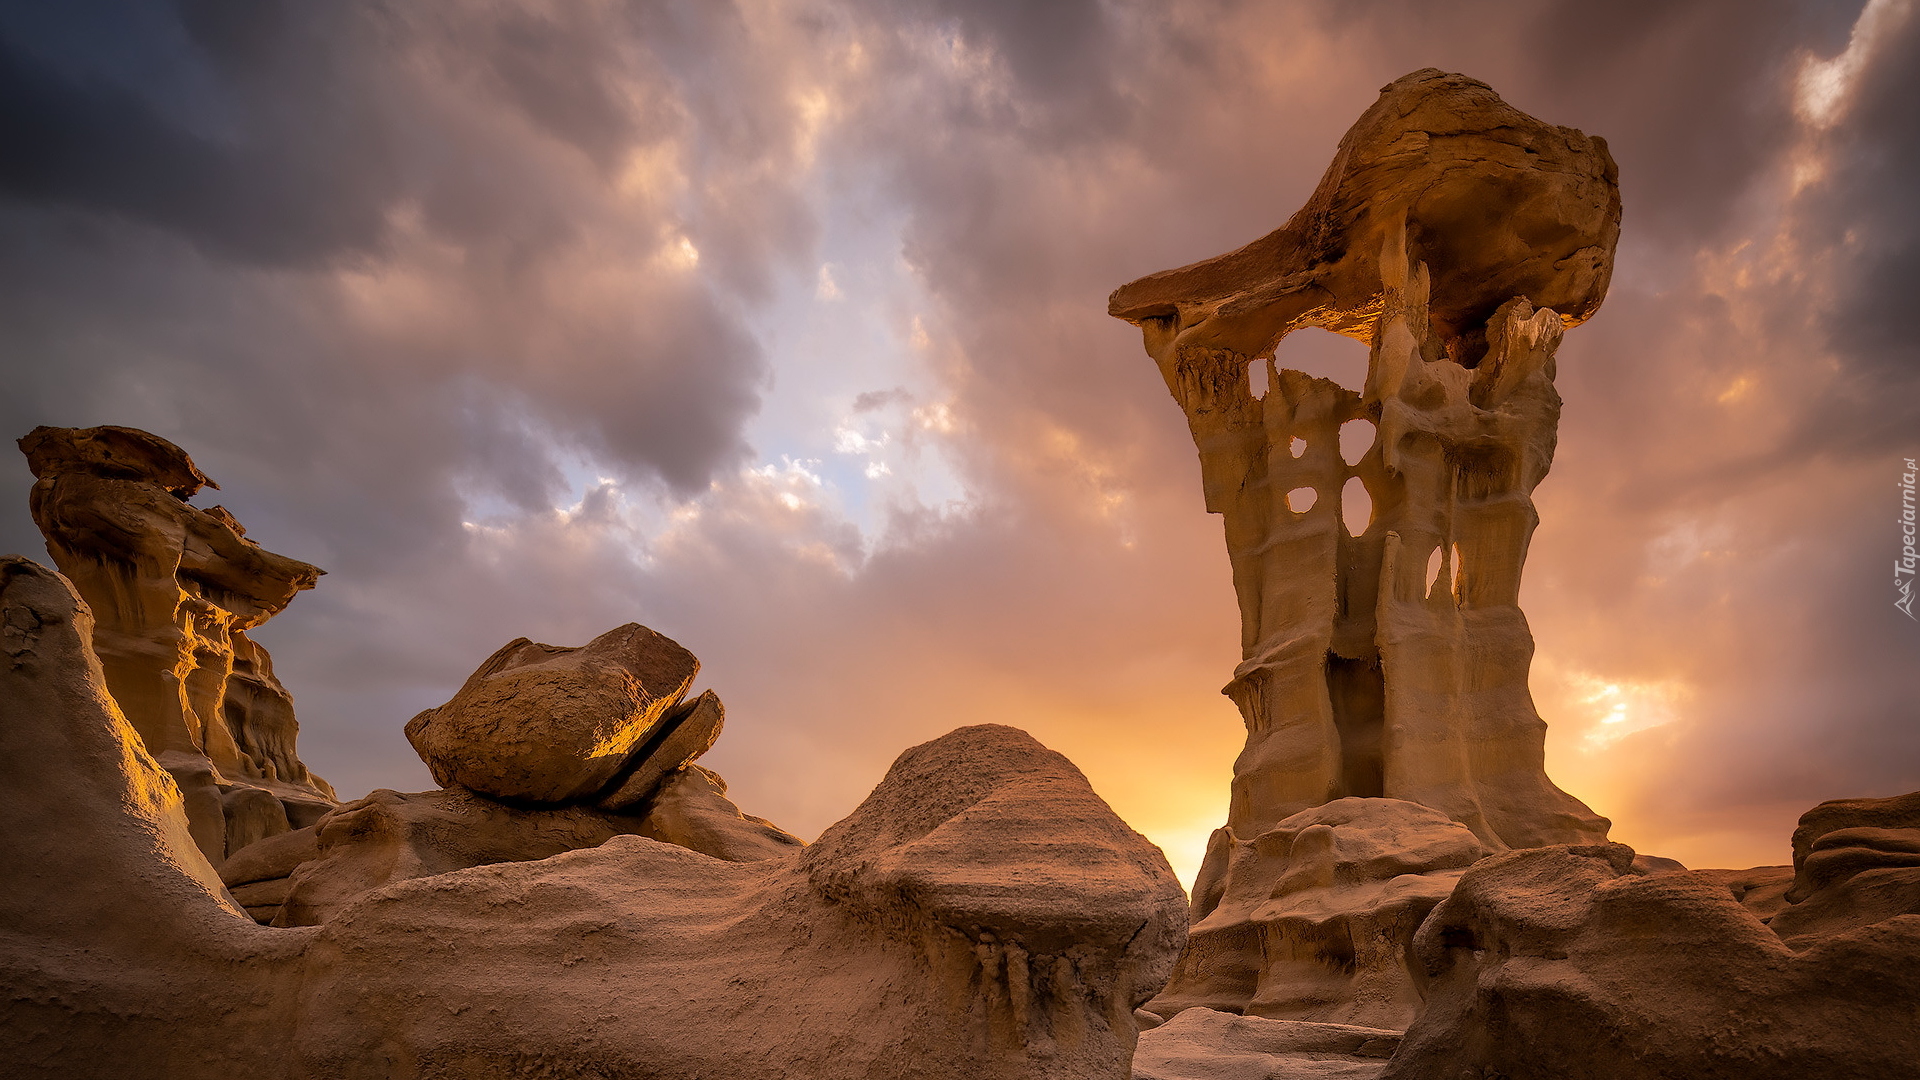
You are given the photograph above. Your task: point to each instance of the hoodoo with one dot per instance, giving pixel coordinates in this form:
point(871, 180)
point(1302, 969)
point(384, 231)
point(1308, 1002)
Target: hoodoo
point(1458, 237)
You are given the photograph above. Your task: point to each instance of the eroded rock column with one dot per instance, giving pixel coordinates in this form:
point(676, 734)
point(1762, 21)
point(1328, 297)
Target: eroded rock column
point(1459, 238)
point(174, 590)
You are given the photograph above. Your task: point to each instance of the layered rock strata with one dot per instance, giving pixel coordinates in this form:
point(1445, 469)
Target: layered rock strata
point(982, 915)
point(1204, 1044)
point(1566, 964)
point(1459, 238)
point(174, 590)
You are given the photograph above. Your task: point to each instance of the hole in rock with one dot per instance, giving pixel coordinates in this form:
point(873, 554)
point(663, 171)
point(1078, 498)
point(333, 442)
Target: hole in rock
point(1356, 506)
point(1459, 574)
point(1297, 446)
point(1356, 438)
point(1433, 572)
point(1357, 689)
point(1257, 378)
point(1301, 499)
point(1324, 354)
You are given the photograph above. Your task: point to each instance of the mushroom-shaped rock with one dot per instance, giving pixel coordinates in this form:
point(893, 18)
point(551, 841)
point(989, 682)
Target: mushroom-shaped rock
point(550, 725)
point(1496, 203)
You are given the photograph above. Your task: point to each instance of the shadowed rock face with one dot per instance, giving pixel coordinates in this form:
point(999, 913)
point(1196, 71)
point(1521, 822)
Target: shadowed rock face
point(1856, 862)
point(1565, 964)
point(174, 590)
point(982, 915)
point(1205, 1044)
point(1459, 237)
point(1315, 919)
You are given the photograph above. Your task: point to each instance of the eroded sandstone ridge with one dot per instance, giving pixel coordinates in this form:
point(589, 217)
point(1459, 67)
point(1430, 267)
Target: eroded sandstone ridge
point(174, 590)
point(1459, 238)
point(983, 915)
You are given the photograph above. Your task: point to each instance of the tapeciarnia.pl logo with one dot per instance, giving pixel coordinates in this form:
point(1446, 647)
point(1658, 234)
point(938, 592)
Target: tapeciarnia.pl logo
point(1903, 567)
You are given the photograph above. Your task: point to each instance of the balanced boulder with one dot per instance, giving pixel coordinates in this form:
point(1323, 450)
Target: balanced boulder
point(548, 725)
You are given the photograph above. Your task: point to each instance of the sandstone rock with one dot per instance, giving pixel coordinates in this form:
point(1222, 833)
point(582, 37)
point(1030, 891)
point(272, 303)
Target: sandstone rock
point(1495, 203)
point(1459, 237)
point(1203, 1044)
point(549, 725)
point(981, 916)
point(174, 590)
point(1760, 889)
point(389, 837)
point(252, 815)
point(1446, 229)
point(691, 809)
point(1561, 963)
point(683, 737)
point(99, 860)
point(272, 858)
point(1314, 919)
point(1856, 862)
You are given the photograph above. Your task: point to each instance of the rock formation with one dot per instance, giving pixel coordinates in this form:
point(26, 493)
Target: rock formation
point(1203, 1044)
point(982, 915)
point(307, 876)
point(544, 750)
point(174, 590)
point(1459, 237)
point(1315, 918)
point(1565, 963)
point(551, 726)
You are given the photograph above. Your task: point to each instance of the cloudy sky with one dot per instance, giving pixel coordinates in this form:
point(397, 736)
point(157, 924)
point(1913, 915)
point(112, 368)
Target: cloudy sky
point(779, 326)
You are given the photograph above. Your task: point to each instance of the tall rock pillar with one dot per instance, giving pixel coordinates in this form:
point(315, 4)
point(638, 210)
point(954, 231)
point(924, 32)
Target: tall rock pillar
point(1459, 238)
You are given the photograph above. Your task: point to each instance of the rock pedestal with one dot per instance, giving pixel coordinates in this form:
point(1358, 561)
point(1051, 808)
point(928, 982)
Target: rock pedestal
point(544, 750)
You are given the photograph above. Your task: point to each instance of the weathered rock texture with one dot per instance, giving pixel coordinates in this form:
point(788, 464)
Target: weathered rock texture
point(174, 590)
point(1564, 964)
point(306, 877)
point(1314, 919)
point(548, 725)
point(1202, 1044)
point(544, 750)
point(982, 915)
point(1856, 862)
point(1459, 237)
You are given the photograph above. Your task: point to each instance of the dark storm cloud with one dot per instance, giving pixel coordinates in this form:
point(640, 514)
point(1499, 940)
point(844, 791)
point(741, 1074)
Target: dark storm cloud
point(1866, 206)
point(314, 138)
point(272, 149)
